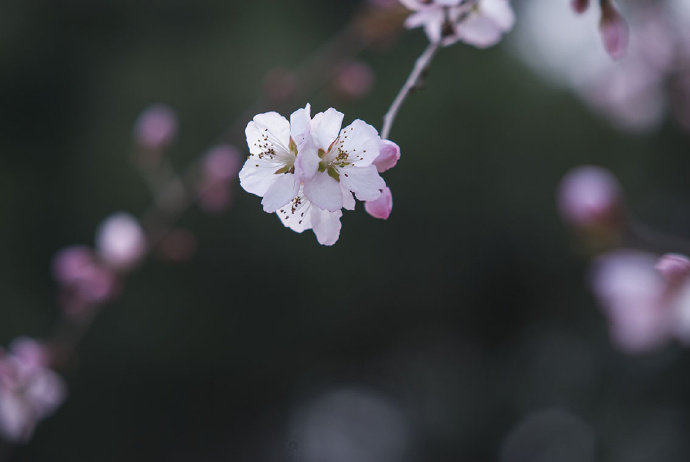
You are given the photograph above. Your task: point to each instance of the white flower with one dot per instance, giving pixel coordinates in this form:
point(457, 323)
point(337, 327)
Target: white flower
point(300, 214)
point(270, 171)
point(346, 163)
point(308, 170)
point(481, 23)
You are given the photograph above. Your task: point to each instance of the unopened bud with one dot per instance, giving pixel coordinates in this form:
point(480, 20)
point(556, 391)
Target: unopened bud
point(589, 197)
point(389, 154)
point(156, 127)
point(381, 207)
point(120, 241)
point(614, 30)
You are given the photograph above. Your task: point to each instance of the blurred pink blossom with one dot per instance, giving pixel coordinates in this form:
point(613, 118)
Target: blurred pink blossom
point(674, 267)
point(354, 80)
point(83, 280)
point(481, 23)
point(120, 241)
point(646, 300)
point(634, 92)
point(29, 390)
point(219, 166)
point(381, 207)
point(156, 127)
point(589, 197)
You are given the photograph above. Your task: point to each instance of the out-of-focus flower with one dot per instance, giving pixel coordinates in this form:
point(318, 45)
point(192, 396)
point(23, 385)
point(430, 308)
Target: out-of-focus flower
point(120, 242)
point(589, 198)
point(674, 267)
point(219, 166)
point(270, 170)
point(646, 300)
point(632, 92)
point(381, 207)
point(29, 390)
point(481, 23)
point(156, 127)
point(614, 30)
point(83, 280)
point(351, 425)
point(353, 80)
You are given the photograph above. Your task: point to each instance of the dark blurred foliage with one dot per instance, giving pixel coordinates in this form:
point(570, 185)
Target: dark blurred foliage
point(467, 309)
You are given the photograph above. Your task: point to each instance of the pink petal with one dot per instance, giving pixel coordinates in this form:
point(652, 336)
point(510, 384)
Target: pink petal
point(389, 154)
point(381, 207)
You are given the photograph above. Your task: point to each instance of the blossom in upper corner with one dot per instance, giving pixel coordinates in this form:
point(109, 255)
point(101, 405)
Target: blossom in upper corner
point(270, 171)
point(29, 390)
point(481, 23)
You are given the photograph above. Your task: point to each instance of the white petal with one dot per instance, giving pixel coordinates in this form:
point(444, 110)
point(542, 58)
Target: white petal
point(257, 175)
point(326, 225)
point(500, 12)
point(348, 199)
point(361, 142)
point(282, 191)
point(325, 127)
point(297, 214)
point(365, 182)
point(324, 192)
point(268, 135)
point(299, 124)
point(307, 162)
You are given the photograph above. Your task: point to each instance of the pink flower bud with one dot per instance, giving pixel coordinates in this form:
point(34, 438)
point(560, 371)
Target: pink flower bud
point(381, 207)
point(388, 157)
point(580, 6)
point(83, 281)
point(674, 267)
point(614, 31)
point(120, 241)
point(156, 127)
point(354, 80)
point(72, 263)
point(589, 197)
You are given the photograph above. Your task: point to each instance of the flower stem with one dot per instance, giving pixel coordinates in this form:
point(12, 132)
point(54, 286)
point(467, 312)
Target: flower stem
point(420, 66)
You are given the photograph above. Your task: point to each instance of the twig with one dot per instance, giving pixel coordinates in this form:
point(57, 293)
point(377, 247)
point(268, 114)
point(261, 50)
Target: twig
point(420, 66)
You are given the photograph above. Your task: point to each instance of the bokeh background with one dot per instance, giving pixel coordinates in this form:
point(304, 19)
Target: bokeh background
point(461, 329)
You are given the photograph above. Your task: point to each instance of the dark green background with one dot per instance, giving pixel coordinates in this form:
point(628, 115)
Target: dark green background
point(468, 307)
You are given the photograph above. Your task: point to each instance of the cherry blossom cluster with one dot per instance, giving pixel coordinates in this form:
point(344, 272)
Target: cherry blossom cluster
point(481, 23)
point(29, 390)
point(644, 296)
point(651, 77)
point(307, 170)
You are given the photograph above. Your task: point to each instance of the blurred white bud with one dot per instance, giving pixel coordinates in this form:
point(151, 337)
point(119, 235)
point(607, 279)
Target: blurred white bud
point(120, 241)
